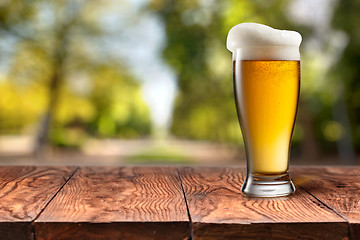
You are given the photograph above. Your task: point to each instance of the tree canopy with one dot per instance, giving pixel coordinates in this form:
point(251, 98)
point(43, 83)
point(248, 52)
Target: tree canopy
point(205, 109)
point(56, 67)
point(59, 74)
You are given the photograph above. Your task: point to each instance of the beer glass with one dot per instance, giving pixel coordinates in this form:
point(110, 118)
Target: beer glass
point(266, 89)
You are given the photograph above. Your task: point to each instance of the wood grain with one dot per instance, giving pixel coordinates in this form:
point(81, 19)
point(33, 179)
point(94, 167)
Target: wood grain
point(219, 211)
point(337, 187)
point(24, 192)
point(148, 203)
point(117, 203)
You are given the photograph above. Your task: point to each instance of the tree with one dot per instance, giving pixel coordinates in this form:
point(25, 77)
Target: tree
point(205, 109)
point(346, 70)
point(55, 41)
point(196, 35)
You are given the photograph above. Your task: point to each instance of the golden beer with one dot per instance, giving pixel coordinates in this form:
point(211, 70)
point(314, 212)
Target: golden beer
point(266, 67)
point(266, 94)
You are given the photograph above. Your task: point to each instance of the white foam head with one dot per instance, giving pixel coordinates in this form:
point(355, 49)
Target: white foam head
point(253, 41)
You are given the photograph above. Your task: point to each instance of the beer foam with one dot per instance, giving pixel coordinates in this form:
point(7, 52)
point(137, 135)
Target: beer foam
point(253, 41)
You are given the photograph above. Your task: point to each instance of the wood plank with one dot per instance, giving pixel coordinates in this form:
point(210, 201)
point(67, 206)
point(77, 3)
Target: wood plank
point(16, 230)
point(24, 192)
point(219, 211)
point(117, 203)
point(337, 187)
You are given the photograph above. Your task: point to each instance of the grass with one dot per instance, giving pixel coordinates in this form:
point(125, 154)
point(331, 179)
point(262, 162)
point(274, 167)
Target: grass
point(159, 154)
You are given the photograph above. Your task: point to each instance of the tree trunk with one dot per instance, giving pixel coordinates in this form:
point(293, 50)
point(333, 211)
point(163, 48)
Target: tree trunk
point(55, 83)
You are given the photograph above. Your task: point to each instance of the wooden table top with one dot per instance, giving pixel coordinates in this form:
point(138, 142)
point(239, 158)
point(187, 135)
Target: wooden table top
point(39, 202)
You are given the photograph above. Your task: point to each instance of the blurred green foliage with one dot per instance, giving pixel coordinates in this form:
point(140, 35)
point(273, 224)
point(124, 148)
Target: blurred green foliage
point(112, 108)
point(17, 111)
point(196, 33)
point(205, 109)
point(346, 70)
point(59, 81)
point(58, 68)
point(159, 154)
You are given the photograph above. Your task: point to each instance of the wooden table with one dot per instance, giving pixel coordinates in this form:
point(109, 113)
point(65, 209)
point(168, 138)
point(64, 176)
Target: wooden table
point(173, 203)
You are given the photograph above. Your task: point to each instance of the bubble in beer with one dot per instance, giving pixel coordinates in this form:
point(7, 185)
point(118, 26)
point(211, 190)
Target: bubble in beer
point(258, 42)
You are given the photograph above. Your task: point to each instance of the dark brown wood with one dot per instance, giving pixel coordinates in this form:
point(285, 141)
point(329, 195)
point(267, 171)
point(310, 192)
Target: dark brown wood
point(219, 211)
point(16, 230)
point(24, 192)
point(337, 187)
point(117, 203)
point(113, 230)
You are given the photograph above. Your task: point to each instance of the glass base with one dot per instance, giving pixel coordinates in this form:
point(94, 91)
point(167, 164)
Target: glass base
point(268, 185)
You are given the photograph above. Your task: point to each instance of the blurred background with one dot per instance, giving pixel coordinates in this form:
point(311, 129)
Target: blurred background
point(150, 81)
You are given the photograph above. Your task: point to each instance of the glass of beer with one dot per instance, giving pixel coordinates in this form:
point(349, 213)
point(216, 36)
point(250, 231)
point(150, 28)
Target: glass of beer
point(266, 75)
